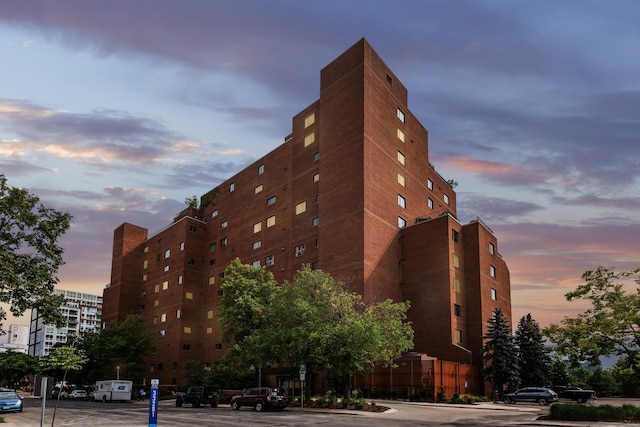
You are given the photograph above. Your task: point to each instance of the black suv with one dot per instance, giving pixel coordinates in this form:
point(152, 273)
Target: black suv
point(540, 395)
point(198, 396)
point(261, 399)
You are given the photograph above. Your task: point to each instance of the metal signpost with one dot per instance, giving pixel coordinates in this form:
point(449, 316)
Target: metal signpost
point(153, 403)
point(303, 371)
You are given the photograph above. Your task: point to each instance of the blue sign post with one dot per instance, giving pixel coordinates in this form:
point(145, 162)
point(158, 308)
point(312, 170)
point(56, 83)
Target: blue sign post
point(153, 403)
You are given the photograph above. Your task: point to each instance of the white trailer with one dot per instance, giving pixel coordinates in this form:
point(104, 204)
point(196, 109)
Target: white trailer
point(110, 390)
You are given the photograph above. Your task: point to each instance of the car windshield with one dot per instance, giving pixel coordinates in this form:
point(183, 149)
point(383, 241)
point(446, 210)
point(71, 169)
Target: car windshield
point(8, 395)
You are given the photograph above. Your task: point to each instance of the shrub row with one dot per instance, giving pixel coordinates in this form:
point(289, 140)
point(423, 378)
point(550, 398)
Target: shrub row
point(577, 412)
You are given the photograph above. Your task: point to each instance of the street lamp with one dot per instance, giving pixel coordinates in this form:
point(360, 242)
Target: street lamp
point(118, 372)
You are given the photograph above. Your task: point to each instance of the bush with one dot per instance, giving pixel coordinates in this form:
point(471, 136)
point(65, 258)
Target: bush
point(577, 412)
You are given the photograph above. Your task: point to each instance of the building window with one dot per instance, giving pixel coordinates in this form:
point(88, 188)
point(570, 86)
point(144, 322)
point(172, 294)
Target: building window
point(400, 134)
point(309, 120)
point(261, 169)
point(309, 139)
point(458, 336)
point(210, 314)
point(301, 208)
point(271, 221)
point(193, 228)
point(446, 199)
point(181, 246)
point(154, 320)
point(146, 249)
point(214, 213)
point(402, 202)
point(316, 177)
point(186, 347)
point(256, 263)
point(455, 235)
point(156, 303)
point(212, 247)
point(224, 224)
point(187, 329)
point(232, 187)
point(271, 200)
point(165, 268)
point(457, 310)
point(492, 271)
point(212, 262)
point(492, 249)
point(456, 285)
point(430, 203)
point(165, 285)
point(257, 227)
point(162, 333)
point(220, 292)
point(456, 261)
point(402, 223)
point(145, 263)
point(178, 313)
point(429, 184)
point(218, 346)
point(209, 330)
point(401, 158)
point(180, 279)
point(174, 366)
point(221, 275)
point(191, 261)
point(316, 156)
point(299, 250)
point(223, 242)
point(167, 253)
point(258, 189)
point(163, 317)
point(494, 294)
point(256, 244)
point(268, 261)
point(401, 180)
point(188, 295)
point(144, 277)
point(315, 221)
point(400, 115)
point(212, 280)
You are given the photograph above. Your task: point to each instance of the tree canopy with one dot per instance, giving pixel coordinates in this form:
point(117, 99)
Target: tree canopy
point(14, 367)
point(29, 253)
point(533, 358)
point(313, 320)
point(500, 356)
point(611, 326)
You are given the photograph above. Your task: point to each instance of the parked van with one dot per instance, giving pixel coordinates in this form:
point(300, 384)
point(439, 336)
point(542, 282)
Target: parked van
point(110, 390)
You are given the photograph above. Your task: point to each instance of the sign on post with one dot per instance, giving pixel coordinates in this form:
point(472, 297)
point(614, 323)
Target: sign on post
point(153, 403)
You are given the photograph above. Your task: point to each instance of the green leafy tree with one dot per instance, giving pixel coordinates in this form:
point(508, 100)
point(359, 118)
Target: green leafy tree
point(120, 346)
point(500, 355)
point(14, 367)
point(533, 357)
point(610, 327)
point(558, 372)
point(29, 254)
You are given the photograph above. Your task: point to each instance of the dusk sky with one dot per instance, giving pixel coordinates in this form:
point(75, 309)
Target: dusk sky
point(116, 111)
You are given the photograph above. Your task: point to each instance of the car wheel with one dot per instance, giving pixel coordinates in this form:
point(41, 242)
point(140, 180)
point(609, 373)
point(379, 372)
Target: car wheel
point(259, 407)
point(542, 401)
point(214, 404)
point(507, 400)
point(234, 405)
point(179, 403)
point(581, 400)
point(196, 403)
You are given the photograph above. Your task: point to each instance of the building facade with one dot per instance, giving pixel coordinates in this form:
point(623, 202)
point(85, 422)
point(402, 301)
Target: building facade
point(351, 191)
point(83, 313)
point(16, 339)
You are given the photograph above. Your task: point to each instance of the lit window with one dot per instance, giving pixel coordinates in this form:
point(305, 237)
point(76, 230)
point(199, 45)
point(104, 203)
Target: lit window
point(223, 242)
point(156, 288)
point(209, 330)
point(261, 169)
point(400, 115)
point(458, 336)
point(401, 158)
point(429, 184)
point(224, 224)
point(457, 310)
point(146, 249)
point(430, 203)
point(401, 180)
point(456, 285)
point(402, 222)
point(316, 156)
point(165, 285)
point(402, 202)
point(163, 317)
point(309, 139)
point(257, 189)
point(256, 263)
point(212, 280)
point(178, 313)
point(210, 314)
point(271, 200)
point(145, 264)
point(268, 261)
point(446, 199)
point(167, 253)
point(316, 177)
point(180, 279)
point(144, 277)
point(315, 221)
point(181, 246)
point(257, 227)
point(232, 187)
point(156, 303)
point(271, 221)
point(257, 244)
point(456, 261)
point(492, 271)
point(162, 333)
point(494, 294)
point(301, 208)
point(309, 120)
point(400, 135)
point(300, 250)
point(492, 249)
point(214, 213)
point(188, 295)
point(187, 329)
point(154, 320)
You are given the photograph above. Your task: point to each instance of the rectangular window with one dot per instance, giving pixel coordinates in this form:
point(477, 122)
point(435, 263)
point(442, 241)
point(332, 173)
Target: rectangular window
point(146, 249)
point(271, 200)
point(156, 303)
point(456, 261)
point(268, 261)
point(210, 314)
point(258, 189)
point(315, 221)
point(401, 158)
point(492, 271)
point(256, 263)
point(232, 187)
point(402, 223)
point(309, 120)
point(299, 250)
point(186, 347)
point(154, 320)
point(221, 275)
point(458, 336)
point(457, 310)
point(492, 249)
point(178, 313)
point(494, 294)
point(400, 115)
point(446, 199)
point(212, 247)
point(188, 295)
point(456, 285)
point(193, 228)
point(220, 292)
point(224, 224)
point(212, 280)
point(187, 329)
point(271, 221)
point(455, 236)
point(316, 177)
point(214, 213)
point(165, 285)
point(191, 261)
point(309, 139)
point(163, 317)
point(316, 156)
point(145, 263)
point(261, 169)
point(402, 202)
point(144, 277)
point(256, 244)
point(209, 330)
point(156, 288)
point(301, 208)
point(223, 242)
point(401, 180)
point(180, 279)
point(400, 134)
point(181, 246)
point(257, 227)
point(167, 253)
point(429, 184)
point(218, 346)
point(162, 333)
point(430, 203)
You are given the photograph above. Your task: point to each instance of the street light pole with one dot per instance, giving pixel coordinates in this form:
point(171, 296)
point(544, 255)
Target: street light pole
point(118, 372)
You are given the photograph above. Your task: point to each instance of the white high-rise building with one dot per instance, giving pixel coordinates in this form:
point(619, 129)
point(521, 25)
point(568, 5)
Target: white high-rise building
point(16, 339)
point(83, 313)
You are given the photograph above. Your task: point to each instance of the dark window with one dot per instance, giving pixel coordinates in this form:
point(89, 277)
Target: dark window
point(457, 310)
point(186, 347)
point(455, 236)
point(191, 261)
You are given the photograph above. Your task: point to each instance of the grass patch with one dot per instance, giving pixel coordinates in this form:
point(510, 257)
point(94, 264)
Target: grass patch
point(577, 412)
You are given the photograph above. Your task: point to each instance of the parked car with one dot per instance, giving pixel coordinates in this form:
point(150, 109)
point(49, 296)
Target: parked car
point(78, 395)
point(574, 393)
point(540, 395)
point(261, 399)
point(10, 401)
point(198, 396)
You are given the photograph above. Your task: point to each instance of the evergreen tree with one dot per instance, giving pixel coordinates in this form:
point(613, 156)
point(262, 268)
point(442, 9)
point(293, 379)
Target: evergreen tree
point(558, 372)
point(533, 357)
point(500, 355)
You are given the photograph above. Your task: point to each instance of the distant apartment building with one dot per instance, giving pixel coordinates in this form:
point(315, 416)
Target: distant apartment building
point(16, 339)
point(351, 191)
point(83, 313)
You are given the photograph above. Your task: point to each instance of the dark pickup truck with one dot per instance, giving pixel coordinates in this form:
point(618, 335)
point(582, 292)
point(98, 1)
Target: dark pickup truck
point(198, 396)
point(574, 393)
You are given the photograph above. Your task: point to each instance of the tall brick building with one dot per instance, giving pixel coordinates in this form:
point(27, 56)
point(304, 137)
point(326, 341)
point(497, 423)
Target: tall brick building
point(351, 191)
